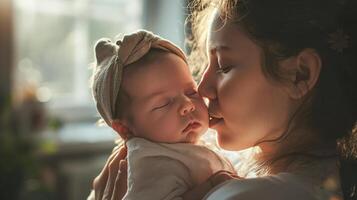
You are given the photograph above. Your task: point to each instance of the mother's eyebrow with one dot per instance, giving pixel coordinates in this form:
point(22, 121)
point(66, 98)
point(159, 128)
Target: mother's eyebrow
point(219, 48)
point(223, 48)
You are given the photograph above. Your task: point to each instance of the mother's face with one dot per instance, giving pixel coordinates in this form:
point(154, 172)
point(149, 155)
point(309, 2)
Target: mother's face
point(246, 107)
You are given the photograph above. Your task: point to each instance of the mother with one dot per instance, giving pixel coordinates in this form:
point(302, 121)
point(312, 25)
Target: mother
point(280, 76)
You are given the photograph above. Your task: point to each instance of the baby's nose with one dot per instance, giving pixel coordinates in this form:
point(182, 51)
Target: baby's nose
point(187, 106)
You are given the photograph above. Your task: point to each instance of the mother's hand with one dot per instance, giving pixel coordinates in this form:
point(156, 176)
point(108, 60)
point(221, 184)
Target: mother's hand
point(111, 183)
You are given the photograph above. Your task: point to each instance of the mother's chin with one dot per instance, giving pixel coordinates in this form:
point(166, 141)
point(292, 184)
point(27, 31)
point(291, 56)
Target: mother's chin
point(230, 141)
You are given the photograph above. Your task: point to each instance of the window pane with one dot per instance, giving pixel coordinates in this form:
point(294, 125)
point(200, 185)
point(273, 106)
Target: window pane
point(45, 46)
point(54, 43)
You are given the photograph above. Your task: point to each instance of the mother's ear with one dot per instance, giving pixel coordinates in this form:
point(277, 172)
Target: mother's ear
point(121, 127)
point(303, 72)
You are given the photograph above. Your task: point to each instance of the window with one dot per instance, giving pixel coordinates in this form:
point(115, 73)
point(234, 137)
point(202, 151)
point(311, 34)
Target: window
point(54, 42)
point(54, 46)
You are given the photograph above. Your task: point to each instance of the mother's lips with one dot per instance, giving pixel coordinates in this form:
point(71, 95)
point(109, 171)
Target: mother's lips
point(214, 121)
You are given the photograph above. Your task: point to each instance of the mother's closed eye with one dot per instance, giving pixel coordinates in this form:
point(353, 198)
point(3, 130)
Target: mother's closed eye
point(192, 93)
point(224, 69)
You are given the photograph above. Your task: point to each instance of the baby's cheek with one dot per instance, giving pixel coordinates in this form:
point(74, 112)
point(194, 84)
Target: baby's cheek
point(203, 113)
point(170, 126)
point(200, 103)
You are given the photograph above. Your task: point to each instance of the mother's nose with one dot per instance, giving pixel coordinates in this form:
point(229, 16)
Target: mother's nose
point(207, 85)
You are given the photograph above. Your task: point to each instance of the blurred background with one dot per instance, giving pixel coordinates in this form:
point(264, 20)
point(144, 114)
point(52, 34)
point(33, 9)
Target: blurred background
point(50, 145)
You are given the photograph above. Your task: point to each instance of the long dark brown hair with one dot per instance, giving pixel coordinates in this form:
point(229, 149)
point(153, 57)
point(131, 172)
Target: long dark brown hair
point(283, 28)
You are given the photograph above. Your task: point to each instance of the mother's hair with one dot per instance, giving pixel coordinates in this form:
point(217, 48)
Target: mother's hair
point(284, 28)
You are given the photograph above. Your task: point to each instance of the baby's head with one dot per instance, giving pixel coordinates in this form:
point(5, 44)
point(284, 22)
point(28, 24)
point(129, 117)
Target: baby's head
point(156, 97)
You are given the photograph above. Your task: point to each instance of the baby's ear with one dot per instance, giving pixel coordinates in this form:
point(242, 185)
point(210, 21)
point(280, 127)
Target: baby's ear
point(121, 128)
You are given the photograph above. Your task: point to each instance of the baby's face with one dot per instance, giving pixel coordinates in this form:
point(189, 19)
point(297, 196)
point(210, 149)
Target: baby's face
point(165, 105)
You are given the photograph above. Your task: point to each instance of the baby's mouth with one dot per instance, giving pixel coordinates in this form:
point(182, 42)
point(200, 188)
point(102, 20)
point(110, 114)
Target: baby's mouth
point(191, 126)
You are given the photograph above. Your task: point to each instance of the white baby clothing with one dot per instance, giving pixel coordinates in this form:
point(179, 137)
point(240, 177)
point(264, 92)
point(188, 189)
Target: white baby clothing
point(160, 171)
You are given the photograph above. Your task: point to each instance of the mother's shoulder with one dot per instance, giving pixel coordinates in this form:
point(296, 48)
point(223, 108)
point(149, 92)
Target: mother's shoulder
point(280, 186)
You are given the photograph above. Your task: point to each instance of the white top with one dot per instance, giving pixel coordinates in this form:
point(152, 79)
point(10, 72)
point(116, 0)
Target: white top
point(317, 182)
point(161, 171)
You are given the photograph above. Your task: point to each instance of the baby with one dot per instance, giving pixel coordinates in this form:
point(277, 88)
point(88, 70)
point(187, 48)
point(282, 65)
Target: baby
point(143, 89)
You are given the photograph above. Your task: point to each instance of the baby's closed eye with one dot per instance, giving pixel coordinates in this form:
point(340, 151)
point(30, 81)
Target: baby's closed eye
point(162, 104)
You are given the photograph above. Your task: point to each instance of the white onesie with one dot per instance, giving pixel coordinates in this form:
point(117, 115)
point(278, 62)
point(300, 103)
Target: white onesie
point(160, 171)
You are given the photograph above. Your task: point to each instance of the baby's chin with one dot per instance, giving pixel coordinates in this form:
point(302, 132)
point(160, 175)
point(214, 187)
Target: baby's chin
point(194, 137)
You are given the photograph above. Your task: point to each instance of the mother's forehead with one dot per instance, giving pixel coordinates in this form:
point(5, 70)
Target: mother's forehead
point(224, 35)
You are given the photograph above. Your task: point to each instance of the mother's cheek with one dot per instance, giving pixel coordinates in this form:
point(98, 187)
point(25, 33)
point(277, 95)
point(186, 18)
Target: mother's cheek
point(228, 95)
